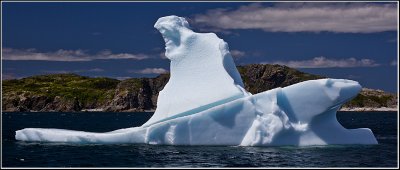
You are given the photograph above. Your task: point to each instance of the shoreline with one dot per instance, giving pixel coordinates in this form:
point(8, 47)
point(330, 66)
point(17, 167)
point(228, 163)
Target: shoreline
point(368, 109)
point(345, 109)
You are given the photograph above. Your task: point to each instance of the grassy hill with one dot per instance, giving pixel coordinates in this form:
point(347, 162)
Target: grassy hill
point(37, 91)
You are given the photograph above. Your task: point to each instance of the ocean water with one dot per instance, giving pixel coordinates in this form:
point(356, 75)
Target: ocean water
point(31, 154)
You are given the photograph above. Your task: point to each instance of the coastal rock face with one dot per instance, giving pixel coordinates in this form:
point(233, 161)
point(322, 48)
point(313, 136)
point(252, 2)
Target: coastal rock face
point(131, 95)
point(27, 102)
point(261, 77)
point(61, 105)
point(137, 94)
point(373, 99)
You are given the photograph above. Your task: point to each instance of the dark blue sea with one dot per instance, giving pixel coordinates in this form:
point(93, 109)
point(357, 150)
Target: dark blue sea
point(24, 154)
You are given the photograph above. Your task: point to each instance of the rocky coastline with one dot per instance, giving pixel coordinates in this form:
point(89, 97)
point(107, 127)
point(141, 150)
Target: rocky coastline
point(75, 93)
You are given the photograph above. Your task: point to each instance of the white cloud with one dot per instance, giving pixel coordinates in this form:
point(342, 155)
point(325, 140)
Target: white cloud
point(393, 63)
point(304, 17)
point(162, 55)
point(237, 53)
point(323, 62)
point(56, 71)
point(123, 78)
point(8, 76)
point(234, 53)
point(72, 71)
point(149, 71)
point(351, 76)
point(89, 70)
point(95, 70)
point(65, 55)
point(393, 40)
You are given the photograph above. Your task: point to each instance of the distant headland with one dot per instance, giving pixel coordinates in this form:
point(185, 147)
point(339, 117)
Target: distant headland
point(75, 93)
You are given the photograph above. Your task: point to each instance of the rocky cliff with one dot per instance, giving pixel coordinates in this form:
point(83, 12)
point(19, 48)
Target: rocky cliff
point(71, 92)
point(370, 99)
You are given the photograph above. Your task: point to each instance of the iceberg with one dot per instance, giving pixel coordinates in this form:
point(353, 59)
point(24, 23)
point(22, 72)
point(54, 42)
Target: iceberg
point(203, 73)
point(205, 103)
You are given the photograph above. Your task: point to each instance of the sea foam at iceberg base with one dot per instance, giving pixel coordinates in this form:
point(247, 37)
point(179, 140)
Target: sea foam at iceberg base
point(205, 103)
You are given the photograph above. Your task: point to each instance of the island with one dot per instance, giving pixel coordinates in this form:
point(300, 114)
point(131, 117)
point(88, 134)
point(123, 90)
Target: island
point(76, 93)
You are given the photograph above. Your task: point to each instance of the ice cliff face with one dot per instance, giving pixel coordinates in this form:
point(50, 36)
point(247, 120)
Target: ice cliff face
point(203, 73)
point(204, 103)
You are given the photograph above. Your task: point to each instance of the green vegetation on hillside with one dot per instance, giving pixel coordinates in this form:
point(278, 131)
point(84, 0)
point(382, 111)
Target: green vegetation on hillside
point(373, 98)
point(68, 86)
point(261, 77)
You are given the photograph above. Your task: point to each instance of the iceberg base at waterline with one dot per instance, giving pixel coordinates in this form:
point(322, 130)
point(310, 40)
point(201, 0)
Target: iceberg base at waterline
point(205, 103)
point(276, 117)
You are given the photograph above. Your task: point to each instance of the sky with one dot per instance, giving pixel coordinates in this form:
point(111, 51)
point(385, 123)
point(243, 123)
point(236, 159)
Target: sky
point(355, 41)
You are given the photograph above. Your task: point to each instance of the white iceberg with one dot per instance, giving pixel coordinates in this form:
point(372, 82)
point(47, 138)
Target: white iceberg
point(203, 73)
point(204, 103)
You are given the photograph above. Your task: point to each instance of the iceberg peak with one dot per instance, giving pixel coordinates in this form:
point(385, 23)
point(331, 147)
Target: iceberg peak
point(203, 73)
point(172, 29)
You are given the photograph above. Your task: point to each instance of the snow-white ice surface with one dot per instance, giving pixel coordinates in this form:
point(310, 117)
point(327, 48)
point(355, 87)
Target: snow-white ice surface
point(203, 73)
point(204, 103)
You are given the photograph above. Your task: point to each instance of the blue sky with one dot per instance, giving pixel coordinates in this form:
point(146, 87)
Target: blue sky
point(355, 41)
